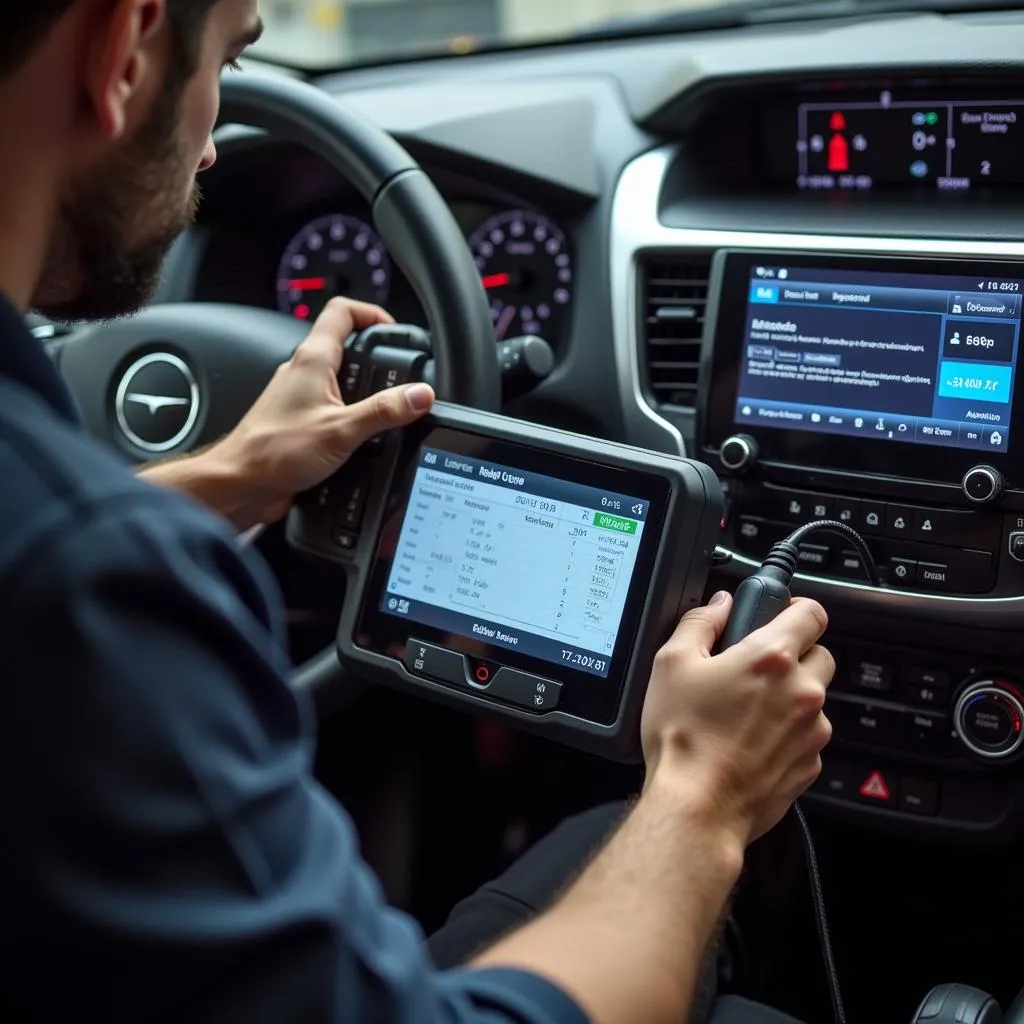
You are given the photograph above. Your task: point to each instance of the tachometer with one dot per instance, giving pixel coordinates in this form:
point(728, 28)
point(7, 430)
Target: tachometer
point(333, 255)
point(524, 263)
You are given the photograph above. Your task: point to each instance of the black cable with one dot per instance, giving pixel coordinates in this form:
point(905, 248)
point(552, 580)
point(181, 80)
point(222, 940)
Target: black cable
point(820, 916)
point(790, 546)
point(758, 599)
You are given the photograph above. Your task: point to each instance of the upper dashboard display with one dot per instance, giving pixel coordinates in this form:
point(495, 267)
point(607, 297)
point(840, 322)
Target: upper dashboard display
point(949, 144)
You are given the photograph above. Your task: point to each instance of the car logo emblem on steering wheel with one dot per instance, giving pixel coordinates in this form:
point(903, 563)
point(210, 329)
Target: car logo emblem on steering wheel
point(157, 402)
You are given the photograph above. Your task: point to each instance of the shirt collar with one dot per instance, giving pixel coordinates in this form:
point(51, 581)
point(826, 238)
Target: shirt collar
point(24, 360)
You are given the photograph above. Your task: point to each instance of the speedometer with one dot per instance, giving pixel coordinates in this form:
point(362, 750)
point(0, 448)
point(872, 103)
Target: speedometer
point(333, 255)
point(525, 266)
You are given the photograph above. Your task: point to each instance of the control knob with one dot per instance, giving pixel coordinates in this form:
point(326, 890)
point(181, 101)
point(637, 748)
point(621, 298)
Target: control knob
point(989, 719)
point(738, 452)
point(982, 484)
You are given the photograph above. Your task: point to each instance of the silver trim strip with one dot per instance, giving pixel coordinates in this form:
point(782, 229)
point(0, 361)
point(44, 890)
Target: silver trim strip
point(635, 227)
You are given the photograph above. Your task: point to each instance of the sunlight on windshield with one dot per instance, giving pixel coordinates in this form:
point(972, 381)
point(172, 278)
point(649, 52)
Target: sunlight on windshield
point(337, 32)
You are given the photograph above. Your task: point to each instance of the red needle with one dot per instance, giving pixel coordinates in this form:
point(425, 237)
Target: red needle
point(308, 284)
point(496, 280)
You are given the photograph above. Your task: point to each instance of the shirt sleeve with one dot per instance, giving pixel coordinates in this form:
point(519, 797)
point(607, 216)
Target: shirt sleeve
point(168, 854)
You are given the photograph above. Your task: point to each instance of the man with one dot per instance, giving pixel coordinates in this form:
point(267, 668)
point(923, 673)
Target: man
point(168, 854)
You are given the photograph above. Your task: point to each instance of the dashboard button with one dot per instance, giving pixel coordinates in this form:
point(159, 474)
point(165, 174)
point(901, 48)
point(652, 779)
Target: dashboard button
point(846, 510)
point(875, 788)
point(919, 796)
point(836, 779)
point(870, 674)
point(527, 691)
point(755, 536)
point(922, 696)
point(898, 520)
point(928, 525)
point(872, 517)
point(791, 506)
point(857, 719)
point(936, 678)
point(850, 565)
point(933, 575)
point(819, 506)
point(929, 732)
point(903, 571)
point(423, 659)
point(813, 557)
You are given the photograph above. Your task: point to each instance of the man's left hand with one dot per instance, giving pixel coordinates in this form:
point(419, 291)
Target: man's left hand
point(299, 432)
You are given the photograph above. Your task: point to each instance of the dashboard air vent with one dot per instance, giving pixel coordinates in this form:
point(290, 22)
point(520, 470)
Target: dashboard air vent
point(675, 294)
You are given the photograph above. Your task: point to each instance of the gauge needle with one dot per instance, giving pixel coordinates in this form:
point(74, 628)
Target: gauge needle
point(508, 314)
point(308, 284)
point(496, 280)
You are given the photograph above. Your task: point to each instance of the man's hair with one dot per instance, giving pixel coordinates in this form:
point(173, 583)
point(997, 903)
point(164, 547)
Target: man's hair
point(24, 24)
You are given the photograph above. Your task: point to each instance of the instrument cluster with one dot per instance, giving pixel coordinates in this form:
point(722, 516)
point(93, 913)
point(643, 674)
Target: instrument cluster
point(523, 257)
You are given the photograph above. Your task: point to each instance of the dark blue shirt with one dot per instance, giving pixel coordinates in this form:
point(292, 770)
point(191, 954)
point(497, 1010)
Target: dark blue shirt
point(166, 852)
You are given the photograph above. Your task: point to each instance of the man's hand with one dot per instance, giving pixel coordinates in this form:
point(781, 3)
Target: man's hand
point(740, 732)
point(299, 431)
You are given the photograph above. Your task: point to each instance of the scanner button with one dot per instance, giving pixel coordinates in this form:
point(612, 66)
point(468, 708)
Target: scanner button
point(527, 691)
point(423, 659)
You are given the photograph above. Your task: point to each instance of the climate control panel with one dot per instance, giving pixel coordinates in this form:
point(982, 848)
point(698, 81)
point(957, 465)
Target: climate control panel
point(923, 736)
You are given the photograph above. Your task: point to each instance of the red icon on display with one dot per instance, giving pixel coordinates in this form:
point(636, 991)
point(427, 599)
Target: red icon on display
point(875, 787)
point(838, 154)
point(838, 147)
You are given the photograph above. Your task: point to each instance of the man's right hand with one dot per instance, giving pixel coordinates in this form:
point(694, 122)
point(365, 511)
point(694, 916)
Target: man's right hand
point(740, 734)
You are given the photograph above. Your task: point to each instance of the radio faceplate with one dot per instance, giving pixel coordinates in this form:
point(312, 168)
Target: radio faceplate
point(879, 391)
point(890, 366)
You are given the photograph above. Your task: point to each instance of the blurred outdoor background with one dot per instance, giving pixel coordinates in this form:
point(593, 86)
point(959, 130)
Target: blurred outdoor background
point(331, 33)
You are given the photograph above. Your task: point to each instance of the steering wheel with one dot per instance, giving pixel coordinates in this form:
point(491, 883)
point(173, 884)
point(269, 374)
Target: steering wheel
point(178, 376)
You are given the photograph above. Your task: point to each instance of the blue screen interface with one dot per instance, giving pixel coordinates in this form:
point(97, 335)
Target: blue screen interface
point(917, 358)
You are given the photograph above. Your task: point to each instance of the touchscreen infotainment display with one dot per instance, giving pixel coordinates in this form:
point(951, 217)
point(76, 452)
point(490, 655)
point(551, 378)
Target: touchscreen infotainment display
point(520, 560)
point(920, 358)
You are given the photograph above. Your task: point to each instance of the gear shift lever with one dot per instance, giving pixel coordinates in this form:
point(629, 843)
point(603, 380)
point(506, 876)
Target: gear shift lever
point(958, 1004)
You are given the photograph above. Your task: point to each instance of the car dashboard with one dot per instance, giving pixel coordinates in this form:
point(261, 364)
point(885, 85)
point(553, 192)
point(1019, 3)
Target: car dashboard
point(624, 200)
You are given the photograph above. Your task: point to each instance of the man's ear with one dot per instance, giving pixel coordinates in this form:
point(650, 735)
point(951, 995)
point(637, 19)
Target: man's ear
point(124, 60)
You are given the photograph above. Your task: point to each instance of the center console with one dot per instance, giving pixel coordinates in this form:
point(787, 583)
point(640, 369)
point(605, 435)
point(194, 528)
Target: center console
point(883, 393)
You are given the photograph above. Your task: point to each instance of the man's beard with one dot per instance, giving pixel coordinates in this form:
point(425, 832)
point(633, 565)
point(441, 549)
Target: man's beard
point(117, 224)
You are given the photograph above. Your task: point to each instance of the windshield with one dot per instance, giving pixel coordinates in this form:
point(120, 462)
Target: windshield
point(333, 33)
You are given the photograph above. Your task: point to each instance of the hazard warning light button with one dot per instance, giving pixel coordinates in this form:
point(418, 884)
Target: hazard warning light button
point(876, 788)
